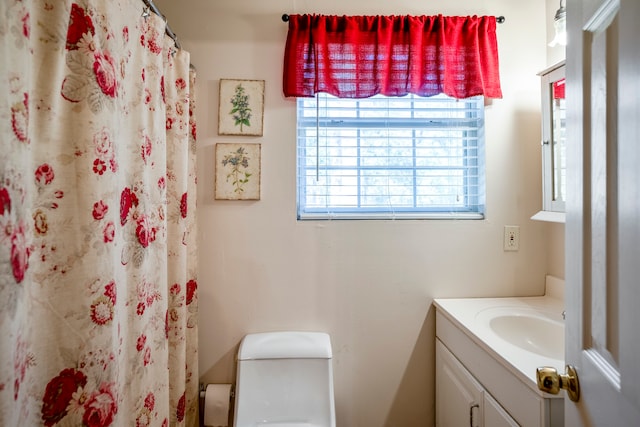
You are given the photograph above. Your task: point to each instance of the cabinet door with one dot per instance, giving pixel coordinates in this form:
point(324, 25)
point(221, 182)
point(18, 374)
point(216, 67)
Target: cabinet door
point(495, 415)
point(554, 160)
point(458, 394)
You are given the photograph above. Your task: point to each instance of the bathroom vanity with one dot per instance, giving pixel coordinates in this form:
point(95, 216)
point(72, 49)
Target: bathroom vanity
point(487, 352)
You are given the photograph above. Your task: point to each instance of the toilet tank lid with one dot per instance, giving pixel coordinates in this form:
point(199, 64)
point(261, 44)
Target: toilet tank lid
point(285, 345)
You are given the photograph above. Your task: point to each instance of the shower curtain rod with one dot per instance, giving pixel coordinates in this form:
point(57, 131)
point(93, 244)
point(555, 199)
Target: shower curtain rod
point(151, 6)
point(499, 19)
point(154, 9)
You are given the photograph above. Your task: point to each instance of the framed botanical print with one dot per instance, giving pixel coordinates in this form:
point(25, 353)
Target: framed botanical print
point(237, 171)
point(241, 107)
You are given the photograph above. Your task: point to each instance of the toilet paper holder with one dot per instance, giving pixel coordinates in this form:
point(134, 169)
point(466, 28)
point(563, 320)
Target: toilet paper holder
point(203, 390)
point(217, 402)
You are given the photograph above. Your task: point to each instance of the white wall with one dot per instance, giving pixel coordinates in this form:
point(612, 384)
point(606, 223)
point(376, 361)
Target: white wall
point(555, 241)
point(369, 284)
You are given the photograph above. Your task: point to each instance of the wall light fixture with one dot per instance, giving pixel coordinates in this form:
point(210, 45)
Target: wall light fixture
point(560, 27)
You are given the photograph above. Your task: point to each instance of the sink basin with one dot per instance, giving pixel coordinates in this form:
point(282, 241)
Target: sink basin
point(532, 330)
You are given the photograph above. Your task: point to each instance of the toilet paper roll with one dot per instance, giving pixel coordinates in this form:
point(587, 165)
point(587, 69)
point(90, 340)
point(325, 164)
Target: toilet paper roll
point(216, 405)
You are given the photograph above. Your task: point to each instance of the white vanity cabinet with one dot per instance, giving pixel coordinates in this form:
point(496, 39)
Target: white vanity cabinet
point(495, 415)
point(477, 383)
point(461, 400)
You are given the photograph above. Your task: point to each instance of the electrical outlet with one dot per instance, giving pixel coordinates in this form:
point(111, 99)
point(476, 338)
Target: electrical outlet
point(511, 238)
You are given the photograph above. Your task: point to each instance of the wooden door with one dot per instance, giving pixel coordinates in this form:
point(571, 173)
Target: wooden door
point(603, 211)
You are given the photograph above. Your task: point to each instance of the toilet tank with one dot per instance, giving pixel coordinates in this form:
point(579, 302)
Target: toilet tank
point(285, 379)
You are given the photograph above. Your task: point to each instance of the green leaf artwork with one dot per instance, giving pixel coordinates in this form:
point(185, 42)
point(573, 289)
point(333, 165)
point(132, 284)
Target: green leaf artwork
point(241, 107)
point(241, 111)
point(237, 171)
point(237, 160)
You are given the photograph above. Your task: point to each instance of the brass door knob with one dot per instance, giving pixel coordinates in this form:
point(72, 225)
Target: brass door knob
point(550, 381)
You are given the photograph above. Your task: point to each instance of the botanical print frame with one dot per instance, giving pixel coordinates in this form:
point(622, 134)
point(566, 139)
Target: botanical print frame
point(237, 171)
point(241, 107)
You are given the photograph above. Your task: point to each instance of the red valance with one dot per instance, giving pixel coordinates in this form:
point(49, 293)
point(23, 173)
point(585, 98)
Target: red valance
point(361, 56)
point(558, 89)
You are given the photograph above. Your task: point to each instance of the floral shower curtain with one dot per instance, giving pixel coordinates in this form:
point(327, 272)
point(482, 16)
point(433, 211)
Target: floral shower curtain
point(97, 217)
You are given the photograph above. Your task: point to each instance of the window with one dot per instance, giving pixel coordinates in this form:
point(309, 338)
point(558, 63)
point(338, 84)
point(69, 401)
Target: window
point(390, 157)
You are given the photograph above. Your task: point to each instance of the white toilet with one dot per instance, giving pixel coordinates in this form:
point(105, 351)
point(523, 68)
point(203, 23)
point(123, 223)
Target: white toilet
point(285, 379)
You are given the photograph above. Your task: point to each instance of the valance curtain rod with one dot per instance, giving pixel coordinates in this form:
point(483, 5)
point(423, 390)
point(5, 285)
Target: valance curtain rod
point(154, 9)
point(499, 19)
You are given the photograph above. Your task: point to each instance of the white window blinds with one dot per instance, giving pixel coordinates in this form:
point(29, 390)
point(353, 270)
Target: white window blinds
point(390, 157)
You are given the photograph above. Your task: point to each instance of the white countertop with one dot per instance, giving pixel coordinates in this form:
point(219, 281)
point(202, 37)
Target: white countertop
point(471, 316)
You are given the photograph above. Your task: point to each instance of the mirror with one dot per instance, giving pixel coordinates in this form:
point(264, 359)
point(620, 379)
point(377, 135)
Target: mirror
point(554, 163)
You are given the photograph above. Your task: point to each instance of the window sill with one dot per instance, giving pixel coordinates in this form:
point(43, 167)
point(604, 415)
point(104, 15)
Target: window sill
point(549, 216)
point(391, 217)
